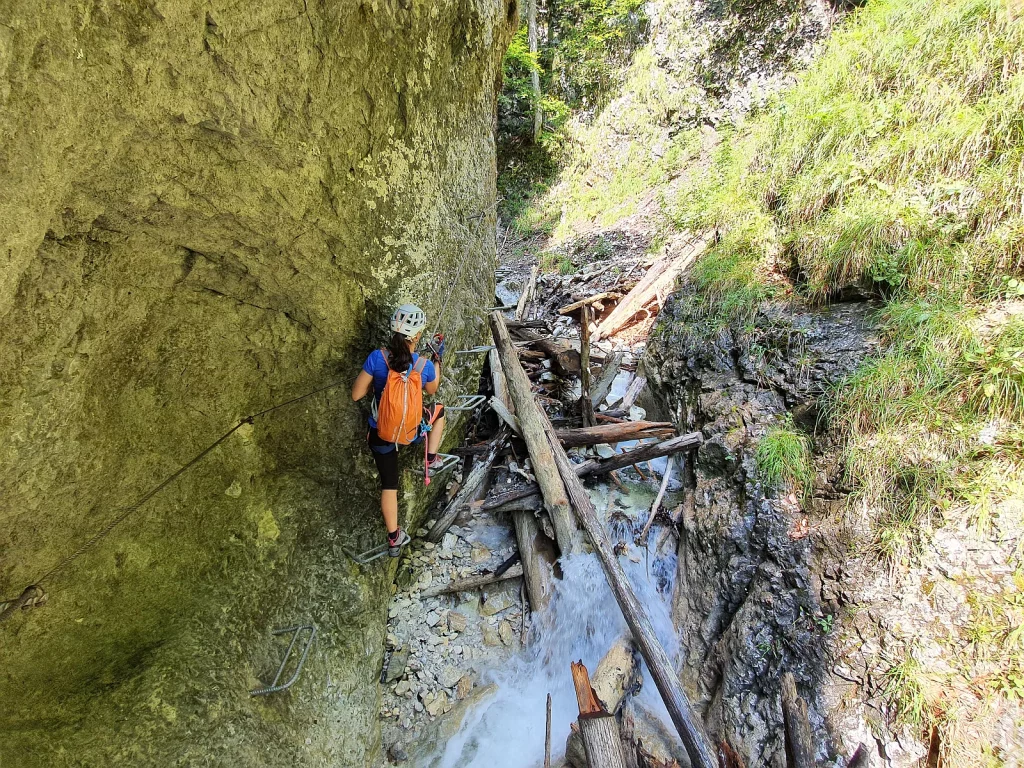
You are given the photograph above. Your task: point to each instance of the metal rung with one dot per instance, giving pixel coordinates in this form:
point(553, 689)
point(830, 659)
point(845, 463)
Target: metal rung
point(369, 555)
point(467, 403)
point(504, 308)
point(447, 462)
point(474, 350)
point(274, 687)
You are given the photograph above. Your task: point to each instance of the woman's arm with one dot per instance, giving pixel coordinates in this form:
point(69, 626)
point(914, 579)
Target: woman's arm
point(431, 387)
point(361, 386)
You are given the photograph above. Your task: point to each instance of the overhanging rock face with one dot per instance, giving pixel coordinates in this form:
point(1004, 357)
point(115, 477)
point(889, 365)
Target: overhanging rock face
point(205, 207)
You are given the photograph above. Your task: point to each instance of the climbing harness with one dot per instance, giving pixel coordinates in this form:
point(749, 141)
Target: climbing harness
point(296, 630)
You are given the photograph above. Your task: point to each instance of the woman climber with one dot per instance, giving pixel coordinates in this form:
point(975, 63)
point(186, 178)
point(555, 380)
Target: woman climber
point(398, 377)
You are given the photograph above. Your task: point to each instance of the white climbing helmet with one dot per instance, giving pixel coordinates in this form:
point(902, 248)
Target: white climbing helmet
point(408, 320)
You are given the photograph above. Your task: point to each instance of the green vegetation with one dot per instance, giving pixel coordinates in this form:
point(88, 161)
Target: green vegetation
point(583, 52)
point(894, 167)
point(784, 456)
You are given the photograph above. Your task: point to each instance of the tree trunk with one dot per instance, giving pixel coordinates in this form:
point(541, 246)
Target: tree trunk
point(532, 420)
point(690, 729)
point(537, 572)
point(472, 582)
point(466, 494)
point(586, 404)
point(598, 728)
point(538, 115)
point(614, 433)
point(608, 374)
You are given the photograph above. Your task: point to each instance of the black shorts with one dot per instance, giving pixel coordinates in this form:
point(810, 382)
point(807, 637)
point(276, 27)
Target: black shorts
point(387, 463)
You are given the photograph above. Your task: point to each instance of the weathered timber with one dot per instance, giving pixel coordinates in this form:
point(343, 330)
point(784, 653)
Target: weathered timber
point(547, 737)
point(608, 374)
point(799, 744)
point(586, 404)
point(598, 728)
point(658, 282)
point(474, 483)
point(570, 308)
point(473, 582)
point(537, 572)
point(690, 729)
point(524, 300)
point(646, 452)
point(642, 538)
point(532, 421)
point(614, 433)
point(626, 402)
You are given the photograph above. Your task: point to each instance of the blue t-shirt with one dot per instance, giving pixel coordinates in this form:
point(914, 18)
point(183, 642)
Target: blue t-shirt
point(377, 367)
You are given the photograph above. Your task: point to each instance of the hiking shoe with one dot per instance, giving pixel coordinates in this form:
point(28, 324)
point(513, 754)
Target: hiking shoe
point(441, 463)
point(395, 544)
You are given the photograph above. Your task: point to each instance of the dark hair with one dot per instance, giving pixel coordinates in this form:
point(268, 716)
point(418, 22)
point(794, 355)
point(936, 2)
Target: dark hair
point(400, 356)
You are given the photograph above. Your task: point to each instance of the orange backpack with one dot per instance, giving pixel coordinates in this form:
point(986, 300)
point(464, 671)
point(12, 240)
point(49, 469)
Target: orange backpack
point(400, 410)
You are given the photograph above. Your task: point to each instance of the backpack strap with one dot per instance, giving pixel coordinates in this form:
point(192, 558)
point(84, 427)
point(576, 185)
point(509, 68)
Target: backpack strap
point(421, 363)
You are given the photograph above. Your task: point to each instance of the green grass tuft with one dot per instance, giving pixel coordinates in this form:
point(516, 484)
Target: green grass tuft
point(784, 457)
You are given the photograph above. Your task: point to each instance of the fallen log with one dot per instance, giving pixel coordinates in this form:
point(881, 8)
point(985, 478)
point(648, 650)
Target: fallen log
point(586, 404)
point(623, 404)
point(474, 483)
point(690, 729)
point(799, 745)
point(614, 433)
point(532, 420)
point(599, 729)
point(642, 538)
point(601, 466)
point(641, 453)
point(524, 300)
point(658, 281)
point(537, 572)
point(473, 582)
point(608, 374)
point(547, 737)
point(570, 308)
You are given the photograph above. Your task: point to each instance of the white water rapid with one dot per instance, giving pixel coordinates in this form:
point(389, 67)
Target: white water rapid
point(506, 730)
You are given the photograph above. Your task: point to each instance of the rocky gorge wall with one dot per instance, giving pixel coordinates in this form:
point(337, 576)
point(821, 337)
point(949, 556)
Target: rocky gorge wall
point(207, 208)
point(750, 602)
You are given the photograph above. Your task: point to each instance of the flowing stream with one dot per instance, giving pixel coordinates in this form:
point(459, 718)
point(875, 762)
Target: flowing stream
point(582, 621)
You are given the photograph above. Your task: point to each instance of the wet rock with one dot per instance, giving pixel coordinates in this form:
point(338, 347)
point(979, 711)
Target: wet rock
point(745, 596)
point(506, 633)
point(463, 687)
point(480, 554)
point(500, 597)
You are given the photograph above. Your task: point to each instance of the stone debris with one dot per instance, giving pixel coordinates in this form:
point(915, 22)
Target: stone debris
point(440, 645)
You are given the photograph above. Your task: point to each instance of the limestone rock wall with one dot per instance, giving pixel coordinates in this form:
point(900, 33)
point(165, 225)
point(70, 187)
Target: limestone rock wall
point(748, 597)
point(207, 208)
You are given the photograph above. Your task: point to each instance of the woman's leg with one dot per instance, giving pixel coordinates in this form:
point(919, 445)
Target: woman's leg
point(387, 468)
point(389, 508)
point(436, 430)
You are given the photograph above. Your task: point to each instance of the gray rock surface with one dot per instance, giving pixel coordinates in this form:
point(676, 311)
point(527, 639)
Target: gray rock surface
point(208, 208)
point(746, 604)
